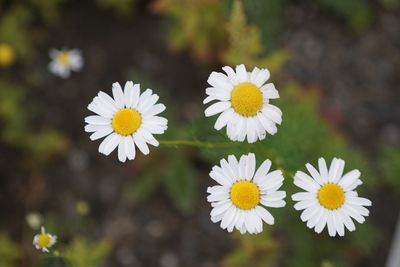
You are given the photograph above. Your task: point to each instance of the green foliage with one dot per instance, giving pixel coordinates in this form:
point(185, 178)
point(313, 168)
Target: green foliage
point(47, 9)
point(123, 7)
point(12, 116)
point(358, 13)
point(244, 40)
point(45, 144)
point(245, 44)
point(303, 137)
point(9, 252)
point(199, 26)
point(143, 187)
point(390, 166)
point(390, 4)
point(16, 129)
point(268, 17)
point(82, 253)
point(14, 29)
point(174, 172)
point(196, 25)
point(253, 250)
point(180, 181)
point(16, 23)
point(366, 237)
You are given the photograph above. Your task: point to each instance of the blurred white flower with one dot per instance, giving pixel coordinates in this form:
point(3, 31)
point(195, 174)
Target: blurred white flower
point(169, 260)
point(64, 61)
point(237, 200)
point(127, 120)
point(243, 101)
point(330, 200)
point(44, 241)
point(34, 220)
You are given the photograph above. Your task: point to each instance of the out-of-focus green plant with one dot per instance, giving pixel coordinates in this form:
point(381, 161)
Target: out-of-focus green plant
point(48, 10)
point(45, 144)
point(390, 4)
point(123, 7)
point(174, 172)
point(9, 252)
point(358, 13)
point(12, 115)
point(199, 26)
point(390, 166)
point(16, 21)
point(181, 181)
point(244, 39)
point(196, 25)
point(14, 29)
point(245, 44)
point(303, 137)
point(253, 250)
point(16, 130)
point(82, 253)
point(268, 16)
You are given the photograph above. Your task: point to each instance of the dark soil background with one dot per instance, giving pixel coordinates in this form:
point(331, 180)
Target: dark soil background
point(358, 76)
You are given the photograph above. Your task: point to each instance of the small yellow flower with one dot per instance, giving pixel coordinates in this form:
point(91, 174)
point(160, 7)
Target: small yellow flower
point(44, 241)
point(7, 55)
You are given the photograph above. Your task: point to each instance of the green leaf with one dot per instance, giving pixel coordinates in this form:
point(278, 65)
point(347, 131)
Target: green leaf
point(9, 252)
point(358, 13)
point(123, 7)
point(142, 188)
point(82, 253)
point(181, 182)
point(390, 166)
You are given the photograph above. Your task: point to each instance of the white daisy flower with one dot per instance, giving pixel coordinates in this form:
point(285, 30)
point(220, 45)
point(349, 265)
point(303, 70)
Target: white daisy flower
point(243, 101)
point(127, 120)
point(330, 200)
point(237, 200)
point(44, 241)
point(64, 61)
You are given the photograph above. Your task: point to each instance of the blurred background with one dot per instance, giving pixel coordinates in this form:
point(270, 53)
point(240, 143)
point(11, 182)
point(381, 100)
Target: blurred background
point(336, 64)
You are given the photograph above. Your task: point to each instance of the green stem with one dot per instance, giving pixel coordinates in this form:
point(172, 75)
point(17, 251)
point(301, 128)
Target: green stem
point(196, 143)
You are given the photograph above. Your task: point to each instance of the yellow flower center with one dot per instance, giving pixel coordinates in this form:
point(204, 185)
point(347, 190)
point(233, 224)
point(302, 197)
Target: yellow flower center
point(331, 196)
point(245, 195)
point(126, 121)
point(7, 55)
point(63, 58)
point(44, 240)
point(246, 99)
